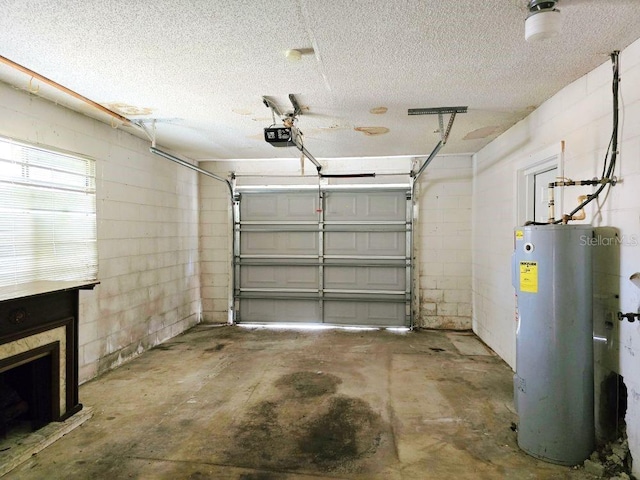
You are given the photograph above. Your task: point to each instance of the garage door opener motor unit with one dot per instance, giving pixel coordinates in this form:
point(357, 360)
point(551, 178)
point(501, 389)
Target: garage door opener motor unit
point(279, 136)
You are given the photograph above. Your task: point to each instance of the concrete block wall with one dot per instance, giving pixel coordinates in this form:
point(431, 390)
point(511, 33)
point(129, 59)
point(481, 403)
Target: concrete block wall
point(442, 239)
point(443, 243)
point(581, 115)
point(215, 248)
point(147, 210)
point(216, 229)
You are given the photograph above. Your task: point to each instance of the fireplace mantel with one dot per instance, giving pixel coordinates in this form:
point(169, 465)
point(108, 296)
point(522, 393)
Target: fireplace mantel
point(14, 292)
point(29, 312)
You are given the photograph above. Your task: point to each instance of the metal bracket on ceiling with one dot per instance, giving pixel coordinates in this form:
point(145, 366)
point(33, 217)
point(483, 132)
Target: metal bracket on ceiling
point(270, 103)
point(296, 106)
point(288, 119)
point(535, 6)
point(444, 133)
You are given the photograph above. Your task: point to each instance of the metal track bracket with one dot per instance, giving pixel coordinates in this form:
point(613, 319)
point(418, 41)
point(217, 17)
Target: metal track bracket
point(444, 133)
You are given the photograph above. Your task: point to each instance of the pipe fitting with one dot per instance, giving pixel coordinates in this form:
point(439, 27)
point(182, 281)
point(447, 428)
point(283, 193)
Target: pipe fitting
point(631, 317)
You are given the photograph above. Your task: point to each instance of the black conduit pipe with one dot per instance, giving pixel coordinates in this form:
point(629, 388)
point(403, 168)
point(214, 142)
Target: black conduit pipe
point(607, 173)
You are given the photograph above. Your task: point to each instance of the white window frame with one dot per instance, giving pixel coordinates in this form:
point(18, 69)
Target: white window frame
point(48, 228)
point(526, 170)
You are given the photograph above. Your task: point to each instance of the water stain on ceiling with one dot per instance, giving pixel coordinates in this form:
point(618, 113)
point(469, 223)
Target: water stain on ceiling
point(372, 131)
point(378, 110)
point(333, 127)
point(257, 136)
point(246, 58)
point(483, 132)
point(128, 110)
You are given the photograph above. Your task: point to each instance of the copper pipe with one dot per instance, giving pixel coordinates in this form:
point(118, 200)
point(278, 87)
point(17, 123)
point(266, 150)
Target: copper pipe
point(66, 90)
point(551, 204)
point(582, 214)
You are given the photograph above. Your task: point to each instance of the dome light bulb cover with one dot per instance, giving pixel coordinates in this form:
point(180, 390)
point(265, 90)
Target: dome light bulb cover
point(542, 25)
point(293, 55)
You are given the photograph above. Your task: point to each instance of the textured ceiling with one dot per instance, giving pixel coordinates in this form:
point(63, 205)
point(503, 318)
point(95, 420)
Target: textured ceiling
point(200, 67)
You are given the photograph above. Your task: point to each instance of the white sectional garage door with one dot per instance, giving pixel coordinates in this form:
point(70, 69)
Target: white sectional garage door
point(332, 255)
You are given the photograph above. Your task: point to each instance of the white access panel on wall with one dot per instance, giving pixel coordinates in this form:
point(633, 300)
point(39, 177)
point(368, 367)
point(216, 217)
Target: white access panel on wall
point(339, 255)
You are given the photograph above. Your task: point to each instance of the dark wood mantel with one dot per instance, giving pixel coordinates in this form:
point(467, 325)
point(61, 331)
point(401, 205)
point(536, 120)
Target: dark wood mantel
point(32, 308)
point(14, 292)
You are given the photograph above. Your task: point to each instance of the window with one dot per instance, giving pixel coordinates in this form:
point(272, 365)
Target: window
point(538, 193)
point(47, 215)
point(533, 174)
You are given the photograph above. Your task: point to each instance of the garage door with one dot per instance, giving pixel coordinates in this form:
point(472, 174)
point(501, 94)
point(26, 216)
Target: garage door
point(332, 254)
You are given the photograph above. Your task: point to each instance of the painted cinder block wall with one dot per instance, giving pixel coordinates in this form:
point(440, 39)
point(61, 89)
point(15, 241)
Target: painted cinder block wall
point(443, 244)
point(581, 115)
point(147, 211)
point(215, 247)
point(442, 241)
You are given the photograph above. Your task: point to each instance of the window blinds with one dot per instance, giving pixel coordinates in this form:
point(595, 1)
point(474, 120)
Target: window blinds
point(47, 215)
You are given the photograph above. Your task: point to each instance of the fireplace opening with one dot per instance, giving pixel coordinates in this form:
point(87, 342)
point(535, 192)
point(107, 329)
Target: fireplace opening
point(29, 390)
point(38, 366)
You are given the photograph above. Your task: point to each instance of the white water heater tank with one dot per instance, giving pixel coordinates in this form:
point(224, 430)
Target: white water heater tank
point(553, 384)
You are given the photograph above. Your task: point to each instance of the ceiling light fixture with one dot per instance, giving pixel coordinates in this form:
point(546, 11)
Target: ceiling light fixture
point(543, 22)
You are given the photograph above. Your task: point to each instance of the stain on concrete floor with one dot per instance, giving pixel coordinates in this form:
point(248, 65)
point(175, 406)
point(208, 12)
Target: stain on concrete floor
point(299, 405)
point(308, 384)
point(217, 348)
point(347, 431)
point(305, 425)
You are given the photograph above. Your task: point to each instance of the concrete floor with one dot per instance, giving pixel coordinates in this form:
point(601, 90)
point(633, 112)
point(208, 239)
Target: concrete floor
point(232, 403)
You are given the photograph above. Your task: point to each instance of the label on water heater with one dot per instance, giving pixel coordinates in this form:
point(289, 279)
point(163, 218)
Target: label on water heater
point(529, 277)
point(519, 235)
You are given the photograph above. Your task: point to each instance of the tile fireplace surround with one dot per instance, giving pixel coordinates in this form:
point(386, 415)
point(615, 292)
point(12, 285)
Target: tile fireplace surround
point(39, 320)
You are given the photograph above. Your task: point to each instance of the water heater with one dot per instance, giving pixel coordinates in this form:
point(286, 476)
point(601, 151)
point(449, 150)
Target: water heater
point(553, 384)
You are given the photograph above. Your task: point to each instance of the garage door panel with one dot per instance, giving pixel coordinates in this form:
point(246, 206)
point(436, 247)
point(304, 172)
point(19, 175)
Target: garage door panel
point(371, 206)
point(279, 243)
point(380, 314)
point(267, 276)
point(272, 207)
point(365, 243)
point(364, 313)
point(341, 207)
point(259, 207)
point(339, 259)
point(385, 207)
point(302, 207)
point(277, 310)
point(340, 277)
point(384, 243)
point(340, 243)
point(365, 278)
